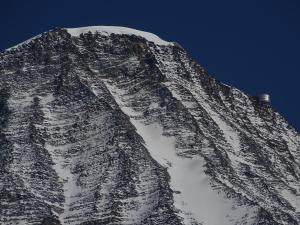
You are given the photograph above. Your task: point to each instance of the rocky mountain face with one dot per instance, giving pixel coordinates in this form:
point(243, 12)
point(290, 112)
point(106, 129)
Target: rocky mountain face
point(107, 125)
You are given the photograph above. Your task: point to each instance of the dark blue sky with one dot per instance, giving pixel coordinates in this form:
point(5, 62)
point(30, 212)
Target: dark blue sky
point(253, 45)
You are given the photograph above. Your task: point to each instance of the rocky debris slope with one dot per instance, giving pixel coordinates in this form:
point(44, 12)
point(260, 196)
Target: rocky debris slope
point(108, 125)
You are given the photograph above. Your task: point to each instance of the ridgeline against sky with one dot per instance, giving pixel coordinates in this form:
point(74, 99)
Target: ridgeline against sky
point(252, 45)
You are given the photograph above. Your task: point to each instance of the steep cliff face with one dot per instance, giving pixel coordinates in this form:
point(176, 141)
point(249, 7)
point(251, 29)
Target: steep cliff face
point(108, 125)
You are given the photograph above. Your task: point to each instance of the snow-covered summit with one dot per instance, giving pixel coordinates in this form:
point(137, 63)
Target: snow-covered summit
point(104, 30)
point(118, 30)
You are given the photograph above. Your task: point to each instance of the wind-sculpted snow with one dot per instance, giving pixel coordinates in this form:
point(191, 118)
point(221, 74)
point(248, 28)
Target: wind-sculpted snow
point(112, 128)
point(108, 30)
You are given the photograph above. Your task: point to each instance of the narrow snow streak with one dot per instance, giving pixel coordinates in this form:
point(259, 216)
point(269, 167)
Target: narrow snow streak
point(62, 168)
point(229, 134)
point(62, 165)
point(24, 42)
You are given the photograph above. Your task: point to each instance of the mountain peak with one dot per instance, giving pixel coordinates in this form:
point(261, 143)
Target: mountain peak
point(108, 128)
point(105, 30)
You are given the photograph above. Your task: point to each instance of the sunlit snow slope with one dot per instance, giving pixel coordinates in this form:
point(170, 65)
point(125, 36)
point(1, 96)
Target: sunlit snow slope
point(110, 125)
